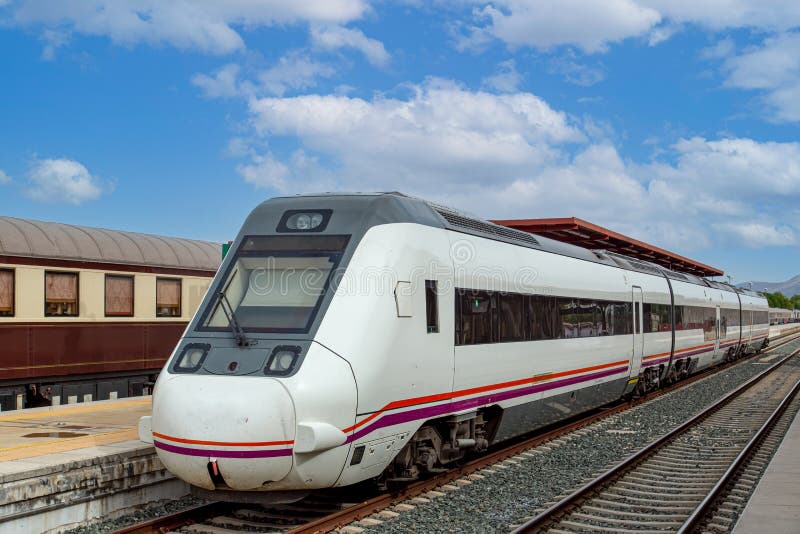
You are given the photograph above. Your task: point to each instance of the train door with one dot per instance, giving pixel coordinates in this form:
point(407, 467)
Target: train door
point(638, 336)
point(718, 334)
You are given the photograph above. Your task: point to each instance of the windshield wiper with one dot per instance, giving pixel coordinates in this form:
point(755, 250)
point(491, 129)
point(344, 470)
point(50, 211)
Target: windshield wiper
point(238, 332)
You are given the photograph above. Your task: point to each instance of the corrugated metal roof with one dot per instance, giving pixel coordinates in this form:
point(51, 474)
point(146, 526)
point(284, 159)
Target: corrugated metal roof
point(38, 239)
point(587, 235)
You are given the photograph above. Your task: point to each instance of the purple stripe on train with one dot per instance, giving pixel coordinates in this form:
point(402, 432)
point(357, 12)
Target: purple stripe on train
point(655, 362)
point(218, 453)
point(442, 409)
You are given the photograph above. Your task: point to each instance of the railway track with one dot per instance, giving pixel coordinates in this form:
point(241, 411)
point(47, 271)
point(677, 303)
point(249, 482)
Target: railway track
point(681, 481)
point(326, 511)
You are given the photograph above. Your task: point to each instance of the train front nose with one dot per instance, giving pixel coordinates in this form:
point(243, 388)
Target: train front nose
point(245, 426)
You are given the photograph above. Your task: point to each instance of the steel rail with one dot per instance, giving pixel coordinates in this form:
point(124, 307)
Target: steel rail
point(181, 518)
point(572, 499)
point(702, 509)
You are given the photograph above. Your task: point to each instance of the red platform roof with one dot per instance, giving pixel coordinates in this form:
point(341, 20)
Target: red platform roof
point(587, 235)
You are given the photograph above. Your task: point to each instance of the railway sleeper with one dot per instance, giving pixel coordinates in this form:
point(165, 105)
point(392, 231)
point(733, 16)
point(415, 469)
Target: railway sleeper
point(644, 507)
point(665, 496)
point(656, 513)
point(640, 520)
point(584, 527)
point(668, 476)
point(680, 485)
point(647, 501)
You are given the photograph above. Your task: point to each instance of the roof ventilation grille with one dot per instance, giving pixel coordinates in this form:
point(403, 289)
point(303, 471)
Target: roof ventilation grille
point(471, 225)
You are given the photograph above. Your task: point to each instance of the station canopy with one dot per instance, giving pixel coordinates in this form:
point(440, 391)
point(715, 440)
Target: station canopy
point(587, 235)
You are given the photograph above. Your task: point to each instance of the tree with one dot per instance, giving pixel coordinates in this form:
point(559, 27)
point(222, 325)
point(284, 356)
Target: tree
point(779, 300)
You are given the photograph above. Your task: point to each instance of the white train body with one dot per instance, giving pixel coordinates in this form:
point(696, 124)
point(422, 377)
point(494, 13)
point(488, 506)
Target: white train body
point(386, 375)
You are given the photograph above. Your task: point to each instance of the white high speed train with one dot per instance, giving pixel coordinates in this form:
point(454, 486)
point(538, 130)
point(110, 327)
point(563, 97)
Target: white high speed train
point(379, 336)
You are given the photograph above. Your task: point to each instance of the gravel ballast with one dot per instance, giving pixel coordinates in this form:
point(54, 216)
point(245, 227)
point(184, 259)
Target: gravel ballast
point(507, 497)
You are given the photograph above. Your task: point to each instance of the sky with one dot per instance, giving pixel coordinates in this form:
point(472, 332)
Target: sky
point(673, 121)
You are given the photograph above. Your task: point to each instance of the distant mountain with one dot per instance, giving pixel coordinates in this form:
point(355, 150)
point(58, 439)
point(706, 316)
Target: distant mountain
point(788, 288)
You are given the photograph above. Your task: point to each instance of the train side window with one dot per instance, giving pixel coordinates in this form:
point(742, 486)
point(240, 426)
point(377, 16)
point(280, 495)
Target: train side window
point(568, 311)
point(119, 296)
point(544, 321)
point(60, 294)
point(431, 306)
point(477, 317)
point(512, 317)
point(6, 293)
point(168, 297)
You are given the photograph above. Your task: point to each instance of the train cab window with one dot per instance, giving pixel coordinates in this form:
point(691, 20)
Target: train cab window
point(60, 294)
point(168, 297)
point(431, 307)
point(119, 296)
point(6, 293)
point(512, 317)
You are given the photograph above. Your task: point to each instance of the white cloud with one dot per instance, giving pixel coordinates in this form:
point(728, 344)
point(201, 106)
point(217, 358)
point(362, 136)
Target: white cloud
point(738, 167)
point(224, 83)
point(577, 73)
point(506, 79)
point(593, 25)
point(512, 155)
point(587, 24)
point(206, 25)
point(4, 178)
point(758, 234)
point(723, 14)
point(335, 37)
point(295, 70)
point(264, 171)
point(441, 134)
point(774, 69)
point(720, 50)
point(62, 181)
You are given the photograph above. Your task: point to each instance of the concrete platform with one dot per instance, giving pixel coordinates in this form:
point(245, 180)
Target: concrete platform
point(65, 465)
point(783, 329)
point(775, 505)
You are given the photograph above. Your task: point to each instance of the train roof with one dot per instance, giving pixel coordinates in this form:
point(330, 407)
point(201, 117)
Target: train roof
point(398, 207)
point(24, 238)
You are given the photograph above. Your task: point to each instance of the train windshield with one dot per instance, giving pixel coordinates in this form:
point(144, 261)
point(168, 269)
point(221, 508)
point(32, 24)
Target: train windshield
point(274, 284)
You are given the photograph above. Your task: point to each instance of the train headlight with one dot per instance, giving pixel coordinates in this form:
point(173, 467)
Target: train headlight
point(304, 221)
point(191, 358)
point(282, 361)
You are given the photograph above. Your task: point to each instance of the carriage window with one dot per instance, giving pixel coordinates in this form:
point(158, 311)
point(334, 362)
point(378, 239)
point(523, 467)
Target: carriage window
point(543, 317)
point(512, 317)
point(60, 294)
point(478, 310)
point(168, 297)
point(619, 318)
point(431, 306)
point(6, 293)
point(709, 324)
point(568, 311)
point(119, 296)
point(656, 317)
